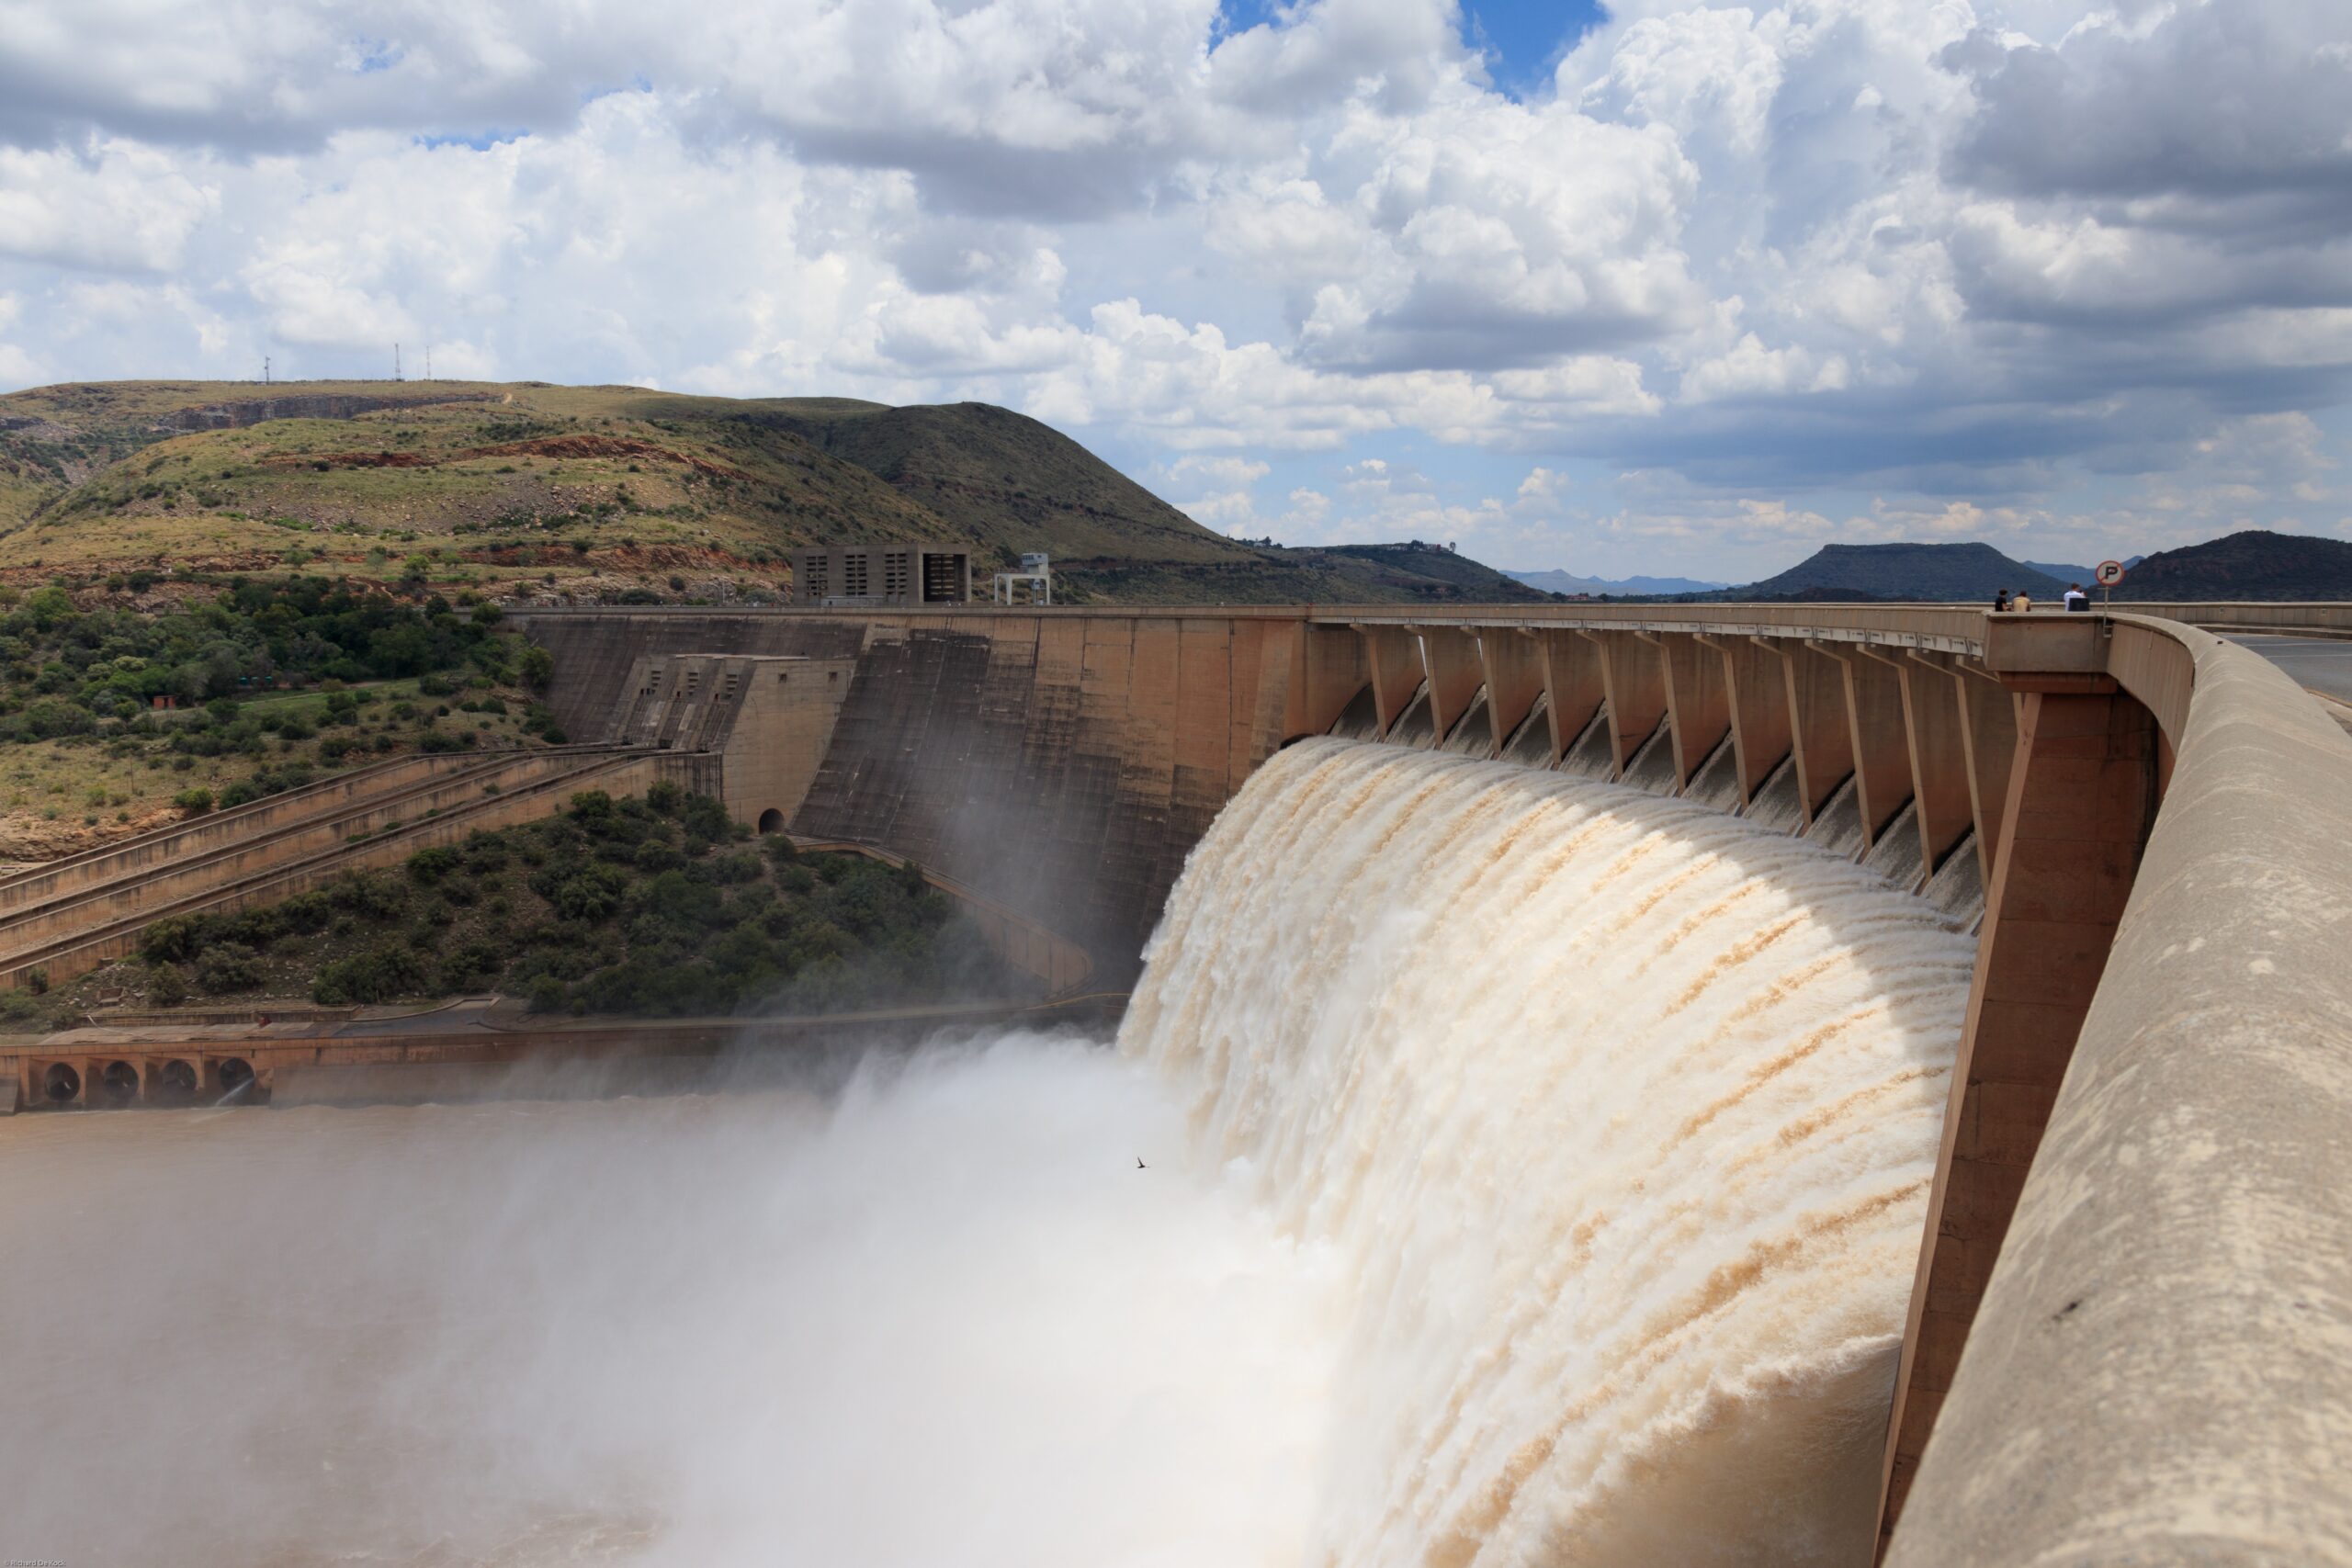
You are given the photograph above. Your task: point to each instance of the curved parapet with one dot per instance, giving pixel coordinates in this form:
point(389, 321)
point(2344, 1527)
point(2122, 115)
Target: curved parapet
point(2160, 1371)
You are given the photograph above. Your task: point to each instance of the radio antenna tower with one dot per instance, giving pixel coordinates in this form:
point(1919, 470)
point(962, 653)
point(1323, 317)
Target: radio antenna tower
point(396, 362)
point(264, 369)
point(428, 362)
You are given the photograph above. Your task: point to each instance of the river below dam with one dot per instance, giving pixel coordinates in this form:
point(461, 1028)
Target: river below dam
point(1494, 1169)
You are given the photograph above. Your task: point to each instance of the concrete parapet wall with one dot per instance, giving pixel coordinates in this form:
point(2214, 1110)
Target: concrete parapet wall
point(198, 836)
point(278, 876)
point(160, 883)
point(2160, 1372)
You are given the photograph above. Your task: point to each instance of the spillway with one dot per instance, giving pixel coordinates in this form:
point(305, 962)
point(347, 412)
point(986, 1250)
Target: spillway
point(1621, 1115)
point(1496, 1168)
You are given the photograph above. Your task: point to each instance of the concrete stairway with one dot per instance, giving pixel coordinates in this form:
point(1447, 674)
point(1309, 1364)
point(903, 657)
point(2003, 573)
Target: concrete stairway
point(69, 918)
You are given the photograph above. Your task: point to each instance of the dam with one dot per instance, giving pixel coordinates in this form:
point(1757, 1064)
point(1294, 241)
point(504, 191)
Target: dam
point(2047, 911)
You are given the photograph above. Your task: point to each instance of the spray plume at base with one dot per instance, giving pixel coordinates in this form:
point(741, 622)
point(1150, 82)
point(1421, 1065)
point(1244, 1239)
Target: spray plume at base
point(1620, 1115)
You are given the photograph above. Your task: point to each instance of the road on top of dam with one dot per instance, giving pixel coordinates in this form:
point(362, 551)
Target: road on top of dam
point(2317, 664)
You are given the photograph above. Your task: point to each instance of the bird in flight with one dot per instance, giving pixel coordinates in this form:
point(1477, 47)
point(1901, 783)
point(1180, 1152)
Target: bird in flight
point(1139, 1165)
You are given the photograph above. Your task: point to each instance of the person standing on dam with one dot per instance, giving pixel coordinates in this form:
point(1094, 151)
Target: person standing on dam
point(2023, 602)
point(2001, 602)
point(2075, 598)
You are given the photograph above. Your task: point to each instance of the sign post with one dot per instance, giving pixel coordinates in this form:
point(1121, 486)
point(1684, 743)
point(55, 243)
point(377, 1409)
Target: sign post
point(2109, 573)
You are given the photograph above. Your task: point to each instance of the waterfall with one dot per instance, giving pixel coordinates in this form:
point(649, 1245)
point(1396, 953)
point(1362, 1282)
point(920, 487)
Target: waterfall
point(1620, 1115)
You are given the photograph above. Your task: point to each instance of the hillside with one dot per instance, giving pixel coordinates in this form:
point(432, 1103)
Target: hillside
point(1935, 572)
point(2255, 564)
point(595, 486)
point(1000, 479)
point(597, 493)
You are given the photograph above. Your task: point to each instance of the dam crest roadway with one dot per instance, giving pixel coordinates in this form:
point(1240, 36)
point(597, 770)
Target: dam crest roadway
point(2131, 1331)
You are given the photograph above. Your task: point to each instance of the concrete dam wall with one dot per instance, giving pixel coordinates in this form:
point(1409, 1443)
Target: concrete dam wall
point(1066, 764)
point(2102, 1357)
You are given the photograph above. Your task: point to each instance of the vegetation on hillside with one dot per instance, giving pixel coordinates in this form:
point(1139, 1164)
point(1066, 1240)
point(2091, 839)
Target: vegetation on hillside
point(141, 698)
point(2255, 564)
point(605, 494)
point(1006, 482)
point(658, 905)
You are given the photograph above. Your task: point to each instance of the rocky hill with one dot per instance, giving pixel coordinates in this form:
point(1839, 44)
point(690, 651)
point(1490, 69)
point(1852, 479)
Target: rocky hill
point(603, 492)
point(1955, 573)
point(2255, 564)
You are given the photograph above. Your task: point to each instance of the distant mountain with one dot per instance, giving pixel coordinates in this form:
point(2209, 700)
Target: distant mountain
point(2255, 564)
point(1958, 573)
point(2085, 575)
point(1557, 582)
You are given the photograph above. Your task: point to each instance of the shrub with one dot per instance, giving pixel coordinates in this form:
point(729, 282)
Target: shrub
point(174, 938)
point(433, 864)
point(368, 895)
point(227, 966)
point(166, 986)
point(592, 895)
point(195, 802)
point(47, 718)
point(379, 975)
point(739, 867)
point(472, 964)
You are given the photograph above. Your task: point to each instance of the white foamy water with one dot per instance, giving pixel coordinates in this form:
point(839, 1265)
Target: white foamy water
point(940, 1318)
point(1533, 1176)
point(1621, 1115)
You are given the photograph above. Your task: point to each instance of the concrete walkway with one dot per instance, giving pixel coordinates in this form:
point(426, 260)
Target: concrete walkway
point(2317, 664)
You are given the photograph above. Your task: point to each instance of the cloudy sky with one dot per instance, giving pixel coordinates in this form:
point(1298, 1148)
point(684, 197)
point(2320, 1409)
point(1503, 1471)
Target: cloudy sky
point(1644, 286)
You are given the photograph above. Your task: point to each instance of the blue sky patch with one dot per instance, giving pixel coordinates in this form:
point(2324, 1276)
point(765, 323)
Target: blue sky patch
point(1522, 39)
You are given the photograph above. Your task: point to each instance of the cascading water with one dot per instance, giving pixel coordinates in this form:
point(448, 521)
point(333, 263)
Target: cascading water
point(1620, 1114)
point(1500, 1169)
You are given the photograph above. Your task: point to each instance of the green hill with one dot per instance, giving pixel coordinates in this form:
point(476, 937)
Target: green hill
point(1948, 573)
point(601, 492)
point(1003, 479)
point(2254, 564)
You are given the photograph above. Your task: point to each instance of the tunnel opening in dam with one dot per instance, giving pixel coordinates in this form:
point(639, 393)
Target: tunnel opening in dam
point(1493, 1166)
